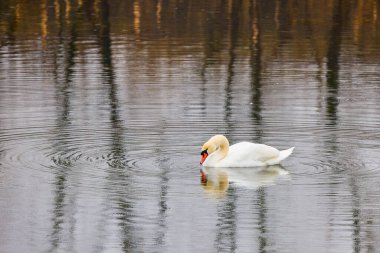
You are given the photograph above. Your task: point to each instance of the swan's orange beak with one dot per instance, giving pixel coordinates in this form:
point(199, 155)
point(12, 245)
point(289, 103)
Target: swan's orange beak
point(203, 178)
point(204, 156)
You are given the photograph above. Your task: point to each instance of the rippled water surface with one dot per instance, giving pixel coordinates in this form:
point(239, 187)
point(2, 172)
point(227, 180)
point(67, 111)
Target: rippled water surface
point(104, 107)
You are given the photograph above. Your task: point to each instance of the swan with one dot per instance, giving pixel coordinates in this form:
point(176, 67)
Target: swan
point(217, 152)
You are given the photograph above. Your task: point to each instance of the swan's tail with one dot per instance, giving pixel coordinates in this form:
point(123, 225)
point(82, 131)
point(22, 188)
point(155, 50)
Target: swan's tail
point(283, 155)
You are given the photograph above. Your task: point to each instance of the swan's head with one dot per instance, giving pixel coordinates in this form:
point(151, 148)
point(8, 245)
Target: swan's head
point(214, 144)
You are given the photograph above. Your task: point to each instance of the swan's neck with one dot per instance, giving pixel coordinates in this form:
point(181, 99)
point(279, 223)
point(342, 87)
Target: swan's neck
point(223, 150)
point(220, 153)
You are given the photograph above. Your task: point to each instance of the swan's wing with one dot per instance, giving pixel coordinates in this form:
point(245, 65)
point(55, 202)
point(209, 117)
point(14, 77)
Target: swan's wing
point(247, 151)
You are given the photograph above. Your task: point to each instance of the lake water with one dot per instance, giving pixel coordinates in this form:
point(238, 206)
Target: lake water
point(104, 107)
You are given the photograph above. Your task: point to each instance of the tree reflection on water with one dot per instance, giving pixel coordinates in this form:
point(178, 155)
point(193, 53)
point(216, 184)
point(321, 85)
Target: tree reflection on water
point(127, 88)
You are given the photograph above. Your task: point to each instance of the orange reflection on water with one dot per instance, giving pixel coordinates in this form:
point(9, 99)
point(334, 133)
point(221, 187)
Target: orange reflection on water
point(137, 16)
point(44, 23)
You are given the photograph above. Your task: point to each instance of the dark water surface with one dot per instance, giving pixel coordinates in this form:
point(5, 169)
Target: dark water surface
point(104, 106)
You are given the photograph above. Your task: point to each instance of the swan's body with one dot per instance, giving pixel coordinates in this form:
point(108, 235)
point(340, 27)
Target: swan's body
point(217, 152)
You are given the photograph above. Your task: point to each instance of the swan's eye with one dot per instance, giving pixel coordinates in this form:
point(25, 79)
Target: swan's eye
point(204, 152)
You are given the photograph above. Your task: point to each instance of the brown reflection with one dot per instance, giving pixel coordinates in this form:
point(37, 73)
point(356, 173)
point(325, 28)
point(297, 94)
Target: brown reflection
point(68, 8)
point(63, 215)
point(306, 24)
point(332, 88)
point(12, 20)
point(226, 224)
point(118, 172)
point(365, 14)
point(332, 81)
point(44, 22)
point(212, 47)
point(333, 54)
point(255, 63)
point(234, 8)
point(137, 17)
point(332, 115)
point(332, 84)
point(158, 13)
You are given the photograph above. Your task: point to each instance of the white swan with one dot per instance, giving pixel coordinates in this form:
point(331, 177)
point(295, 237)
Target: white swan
point(217, 152)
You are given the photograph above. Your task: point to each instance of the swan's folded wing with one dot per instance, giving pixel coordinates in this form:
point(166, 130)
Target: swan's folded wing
point(250, 154)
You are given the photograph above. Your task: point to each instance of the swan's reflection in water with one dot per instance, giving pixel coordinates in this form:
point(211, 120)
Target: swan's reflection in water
point(215, 181)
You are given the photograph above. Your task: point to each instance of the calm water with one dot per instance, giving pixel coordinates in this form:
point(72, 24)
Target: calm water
point(104, 106)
